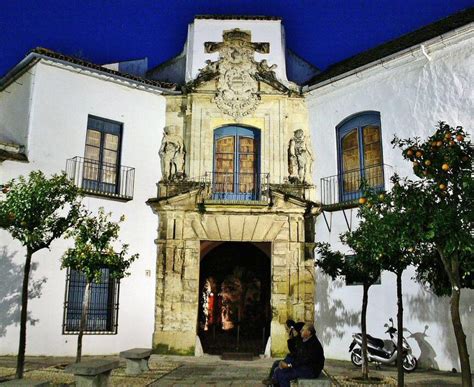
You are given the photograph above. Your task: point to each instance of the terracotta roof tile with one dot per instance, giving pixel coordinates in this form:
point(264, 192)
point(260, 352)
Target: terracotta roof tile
point(238, 17)
point(81, 62)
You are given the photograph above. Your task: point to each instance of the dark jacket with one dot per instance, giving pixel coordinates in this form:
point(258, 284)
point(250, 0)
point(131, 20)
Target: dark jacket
point(310, 354)
point(293, 344)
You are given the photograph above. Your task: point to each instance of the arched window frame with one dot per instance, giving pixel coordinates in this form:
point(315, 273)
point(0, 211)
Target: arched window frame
point(237, 132)
point(358, 122)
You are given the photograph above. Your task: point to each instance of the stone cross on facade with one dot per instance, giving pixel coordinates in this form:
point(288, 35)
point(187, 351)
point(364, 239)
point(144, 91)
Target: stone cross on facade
point(240, 38)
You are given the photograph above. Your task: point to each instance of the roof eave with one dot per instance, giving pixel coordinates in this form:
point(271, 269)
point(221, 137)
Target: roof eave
point(18, 70)
point(32, 58)
point(380, 61)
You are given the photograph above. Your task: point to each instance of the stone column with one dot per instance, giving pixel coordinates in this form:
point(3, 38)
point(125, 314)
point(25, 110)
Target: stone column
point(177, 283)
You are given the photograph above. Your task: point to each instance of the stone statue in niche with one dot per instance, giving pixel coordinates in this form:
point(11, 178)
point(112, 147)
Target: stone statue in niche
point(172, 154)
point(300, 158)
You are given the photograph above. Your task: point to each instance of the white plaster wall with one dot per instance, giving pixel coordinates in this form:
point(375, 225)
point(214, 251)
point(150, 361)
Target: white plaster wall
point(62, 101)
point(411, 94)
point(211, 30)
point(14, 109)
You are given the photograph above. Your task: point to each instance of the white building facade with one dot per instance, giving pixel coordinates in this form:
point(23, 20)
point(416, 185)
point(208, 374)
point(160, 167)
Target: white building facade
point(238, 105)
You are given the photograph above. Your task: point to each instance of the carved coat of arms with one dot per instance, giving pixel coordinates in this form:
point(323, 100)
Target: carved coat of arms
point(237, 86)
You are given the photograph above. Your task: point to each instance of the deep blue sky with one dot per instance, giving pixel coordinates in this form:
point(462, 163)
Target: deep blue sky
point(104, 31)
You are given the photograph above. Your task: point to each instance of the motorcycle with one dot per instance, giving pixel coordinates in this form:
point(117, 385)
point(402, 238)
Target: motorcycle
point(378, 353)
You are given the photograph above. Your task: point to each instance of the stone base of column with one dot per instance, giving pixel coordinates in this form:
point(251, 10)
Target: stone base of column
point(174, 343)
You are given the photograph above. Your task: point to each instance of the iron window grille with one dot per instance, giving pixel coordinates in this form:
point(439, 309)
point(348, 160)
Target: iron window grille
point(102, 317)
point(79, 169)
point(334, 189)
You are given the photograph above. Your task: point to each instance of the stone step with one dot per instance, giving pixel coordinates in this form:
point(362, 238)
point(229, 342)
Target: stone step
point(237, 356)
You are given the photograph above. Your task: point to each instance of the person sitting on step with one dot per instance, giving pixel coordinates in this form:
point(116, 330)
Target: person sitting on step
point(293, 343)
point(308, 361)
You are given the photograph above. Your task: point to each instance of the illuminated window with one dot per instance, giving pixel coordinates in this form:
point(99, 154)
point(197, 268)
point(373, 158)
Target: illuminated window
point(236, 163)
point(359, 154)
point(102, 155)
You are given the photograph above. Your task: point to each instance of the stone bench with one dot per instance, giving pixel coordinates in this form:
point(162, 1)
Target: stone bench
point(26, 383)
point(136, 360)
point(322, 381)
point(92, 373)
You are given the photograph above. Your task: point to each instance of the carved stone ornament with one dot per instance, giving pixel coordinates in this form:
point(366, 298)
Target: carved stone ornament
point(172, 154)
point(237, 86)
point(300, 158)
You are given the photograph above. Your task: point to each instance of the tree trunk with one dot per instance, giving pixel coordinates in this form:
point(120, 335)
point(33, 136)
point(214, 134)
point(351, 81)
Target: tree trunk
point(400, 375)
point(365, 362)
point(20, 364)
point(460, 338)
point(82, 325)
point(452, 270)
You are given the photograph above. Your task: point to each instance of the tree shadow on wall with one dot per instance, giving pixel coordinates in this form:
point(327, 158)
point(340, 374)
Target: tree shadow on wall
point(10, 290)
point(332, 318)
point(428, 308)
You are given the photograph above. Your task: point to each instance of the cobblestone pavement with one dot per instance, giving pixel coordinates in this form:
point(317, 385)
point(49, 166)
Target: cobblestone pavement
point(206, 371)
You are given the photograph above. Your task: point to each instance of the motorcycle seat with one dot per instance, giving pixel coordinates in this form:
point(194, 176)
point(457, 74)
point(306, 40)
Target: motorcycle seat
point(375, 342)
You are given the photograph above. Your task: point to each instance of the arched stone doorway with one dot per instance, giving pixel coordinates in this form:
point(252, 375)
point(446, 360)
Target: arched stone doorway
point(191, 227)
point(234, 303)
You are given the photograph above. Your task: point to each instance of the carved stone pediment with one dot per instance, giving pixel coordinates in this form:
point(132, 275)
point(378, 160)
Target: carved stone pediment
point(238, 74)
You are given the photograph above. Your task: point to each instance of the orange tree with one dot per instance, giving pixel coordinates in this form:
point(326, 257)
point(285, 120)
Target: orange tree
point(95, 249)
point(396, 236)
point(36, 211)
point(363, 267)
point(444, 199)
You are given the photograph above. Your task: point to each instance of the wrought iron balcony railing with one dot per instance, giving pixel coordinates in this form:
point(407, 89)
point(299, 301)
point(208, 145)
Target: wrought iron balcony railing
point(243, 187)
point(102, 179)
point(345, 188)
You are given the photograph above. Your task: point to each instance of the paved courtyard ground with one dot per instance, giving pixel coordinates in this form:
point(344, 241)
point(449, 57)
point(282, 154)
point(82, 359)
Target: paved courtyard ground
point(206, 371)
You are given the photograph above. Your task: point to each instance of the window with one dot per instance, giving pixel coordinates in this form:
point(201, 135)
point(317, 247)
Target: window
point(357, 281)
point(102, 155)
point(103, 307)
point(359, 154)
point(236, 163)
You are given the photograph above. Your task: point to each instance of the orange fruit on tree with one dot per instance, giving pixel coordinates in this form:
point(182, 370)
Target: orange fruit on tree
point(442, 187)
point(445, 167)
point(447, 136)
point(409, 153)
point(428, 162)
point(439, 143)
point(419, 153)
point(362, 200)
point(460, 137)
